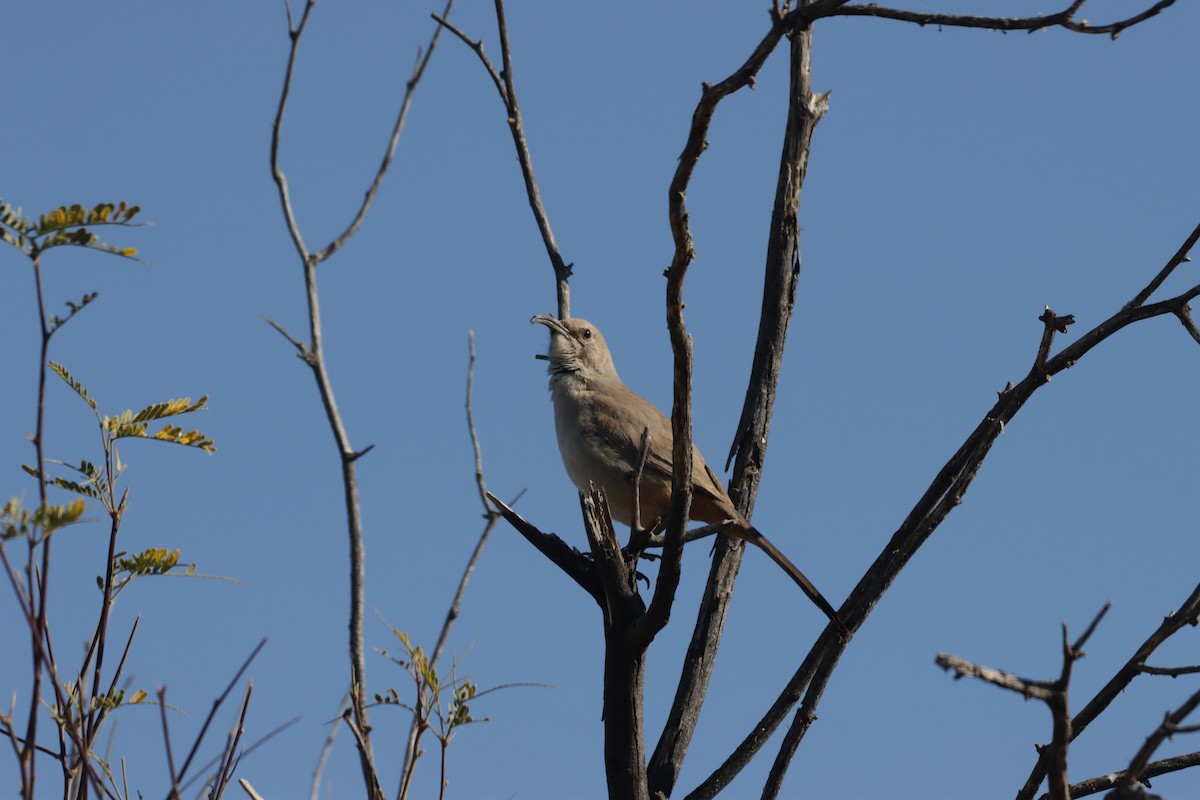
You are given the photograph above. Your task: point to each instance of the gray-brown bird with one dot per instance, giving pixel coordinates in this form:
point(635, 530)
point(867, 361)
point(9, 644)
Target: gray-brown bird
point(599, 422)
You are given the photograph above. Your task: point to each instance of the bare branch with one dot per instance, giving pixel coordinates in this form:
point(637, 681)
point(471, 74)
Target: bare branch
point(491, 516)
point(216, 705)
point(315, 790)
point(506, 86)
point(1173, 672)
point(285, 199)
point(1187, 614)
point(1053, 324)
point(693, 534)
point(162, 709)
point(1025, 687)
point(1053, 693)
point(1189, 324)
point(1152, 770)
point(781, 273)
point(477, 46)
point(1063, 19)
point(374, 790)
point(1180, 257)
point(943, 495)
point(567, 558)
point(312, 353)
point(1169, 726)
point(410, 88)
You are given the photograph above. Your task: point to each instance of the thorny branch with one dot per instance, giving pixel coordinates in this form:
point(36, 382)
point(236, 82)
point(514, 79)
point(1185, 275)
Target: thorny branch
point(312, 353)
point(1053, 693)
point(943, 495)
point(948, 488)
point(506, 87)
point(1066, 18)
point(491, 516)
point(1171, 725)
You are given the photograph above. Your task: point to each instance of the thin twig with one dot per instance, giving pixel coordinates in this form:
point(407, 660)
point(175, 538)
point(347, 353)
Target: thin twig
point(565, 557)
point(1173, 672)
point(506, 87)
point(314, 356)
point(1152, 770)
point(300, 346)
point(1181, 257)
point(166, 730)
point(1063, 19)
point(944, 494)
point(259, 742)
point(491, 516)
point(1170, 725)
point(781, 275)
point(401, 116)
point(315, 791)
point(1187, 614)
point(216, 704)
point(229, 756)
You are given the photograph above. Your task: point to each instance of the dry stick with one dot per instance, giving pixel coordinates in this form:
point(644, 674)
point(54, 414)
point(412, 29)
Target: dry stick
point(1052, 693)
point(373, 788)
point(100, 638)
point(229, 759)
point(37, 631)
point(112, 684)
point(506, 87)
point(259, 742)
point(805, 110)
point(1153, 769)
point(492, 516)
point(166, 729)
point(313, 355)
point(216, 704)
point(1169, 726)
point(1189, 325)
point(943, 495)
point(1064, 19)
point(46, 654)
point(1173, 672)
point(1187, 614)
point(315, 790)
point(781, 272)
point(397, 129)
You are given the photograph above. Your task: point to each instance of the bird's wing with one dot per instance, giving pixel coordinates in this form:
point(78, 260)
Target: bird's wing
point(623, 440)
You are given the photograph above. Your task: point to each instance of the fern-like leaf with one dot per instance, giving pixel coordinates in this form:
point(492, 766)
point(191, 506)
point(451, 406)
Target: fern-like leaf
point(169, 409)
point(176, 435)
point(79, 388)
point(78, 488)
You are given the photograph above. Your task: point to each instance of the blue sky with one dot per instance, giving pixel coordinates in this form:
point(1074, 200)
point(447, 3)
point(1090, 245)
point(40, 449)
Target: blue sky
point(961, 181)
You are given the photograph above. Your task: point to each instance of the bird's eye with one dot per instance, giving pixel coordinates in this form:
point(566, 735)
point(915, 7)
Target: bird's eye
point(586, 333)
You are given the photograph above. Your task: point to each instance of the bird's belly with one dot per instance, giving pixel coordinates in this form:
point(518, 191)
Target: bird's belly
point(587, 462)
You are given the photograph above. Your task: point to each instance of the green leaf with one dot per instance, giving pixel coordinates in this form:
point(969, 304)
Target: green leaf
point(77, 488)
point(61, 372)
point(169, 409)
point(153, 561)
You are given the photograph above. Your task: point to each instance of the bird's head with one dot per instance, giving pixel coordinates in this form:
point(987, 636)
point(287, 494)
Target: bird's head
point(576, 346)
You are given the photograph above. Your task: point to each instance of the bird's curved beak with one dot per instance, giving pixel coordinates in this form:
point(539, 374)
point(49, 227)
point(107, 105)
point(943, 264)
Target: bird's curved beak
point(553, 323)
point(556, 327)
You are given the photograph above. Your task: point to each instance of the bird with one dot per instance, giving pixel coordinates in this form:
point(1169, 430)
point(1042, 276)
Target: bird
point(599, 422)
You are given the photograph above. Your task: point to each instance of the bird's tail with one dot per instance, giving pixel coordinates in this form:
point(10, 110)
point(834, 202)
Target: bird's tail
point(755, 537)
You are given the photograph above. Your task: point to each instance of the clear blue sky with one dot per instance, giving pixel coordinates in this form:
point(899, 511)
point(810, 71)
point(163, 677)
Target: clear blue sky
point(961, 181)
